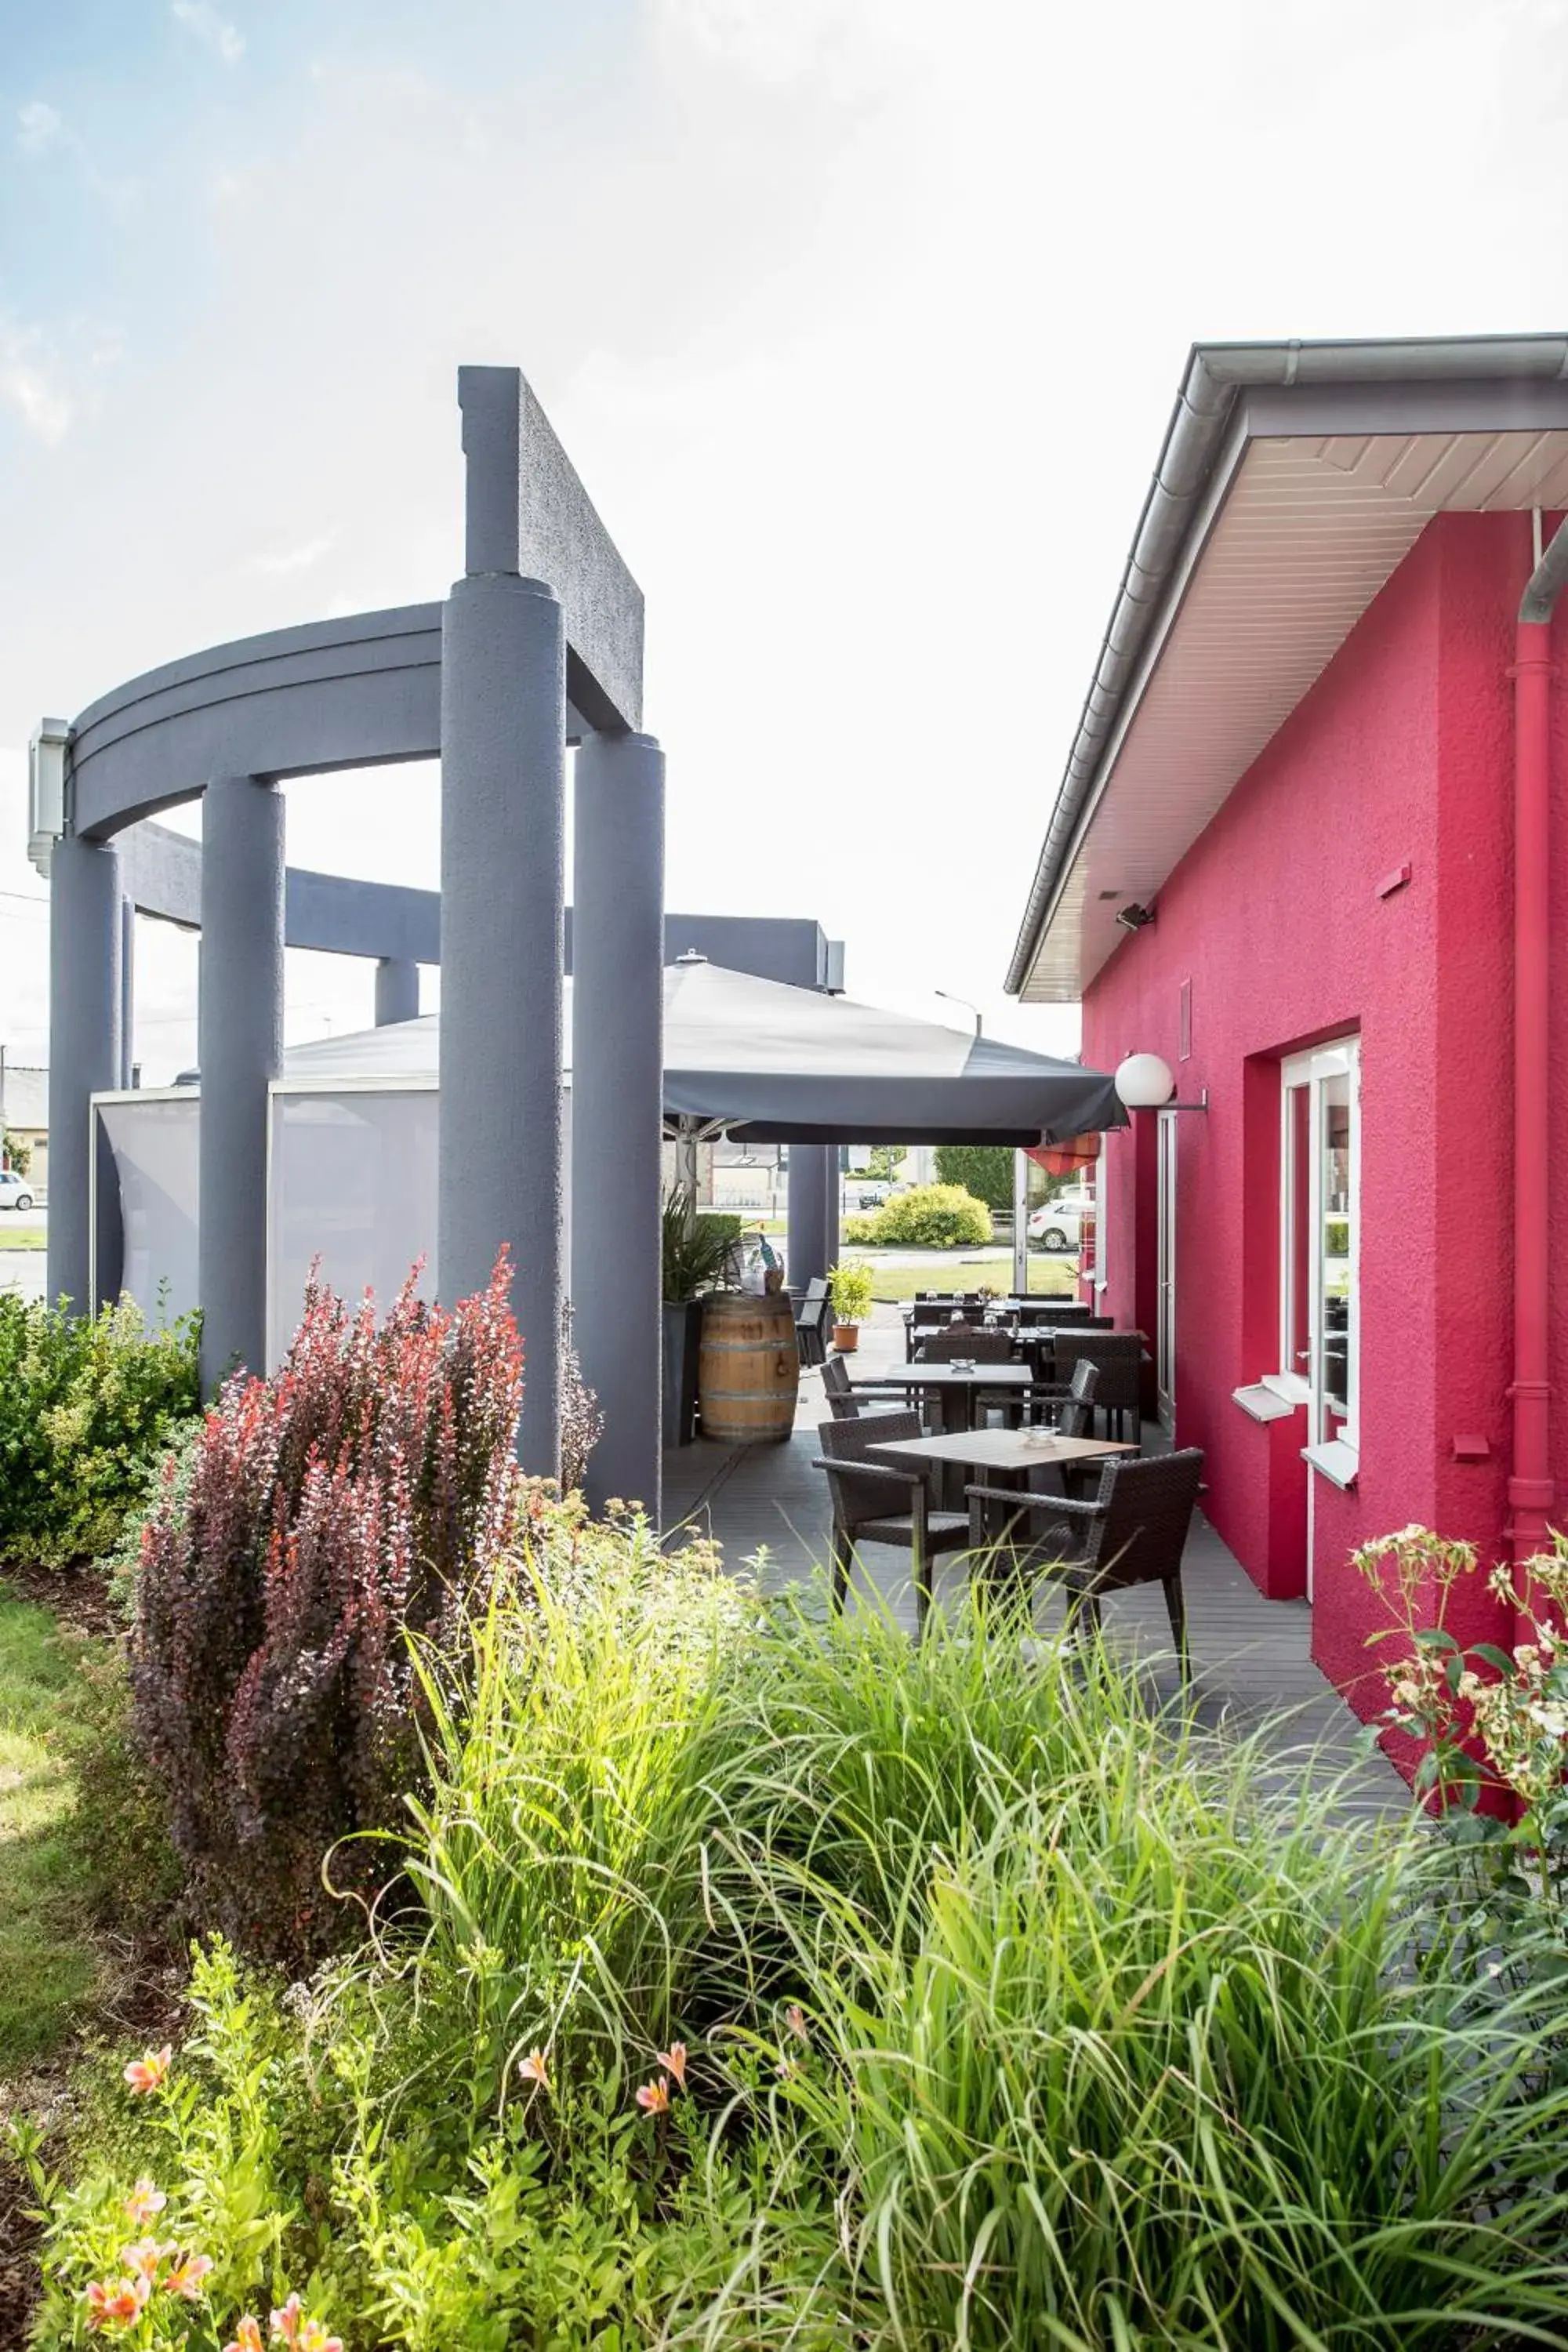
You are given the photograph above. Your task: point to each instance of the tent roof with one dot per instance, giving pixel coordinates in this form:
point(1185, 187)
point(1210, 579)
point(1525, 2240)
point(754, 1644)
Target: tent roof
point(772, 1064)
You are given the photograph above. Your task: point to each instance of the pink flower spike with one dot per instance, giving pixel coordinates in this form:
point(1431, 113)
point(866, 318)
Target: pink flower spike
point(247, 2337)
point(675, 2059)
point(147, 2072)
point(286, 2324)
point(535, 2068)
point(186, 2277)
point(143, 2201)
point(653, 2098)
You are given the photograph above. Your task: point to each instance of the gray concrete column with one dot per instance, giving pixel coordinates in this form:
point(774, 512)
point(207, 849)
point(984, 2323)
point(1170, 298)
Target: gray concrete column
point(617, 1104)
point(805, 1248)
point(127, 988)
point(396, 990)
point(85, 1008)
point(503, 738)
point(239, 1019)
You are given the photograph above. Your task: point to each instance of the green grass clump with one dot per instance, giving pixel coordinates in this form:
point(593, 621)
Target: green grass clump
point(976, 2000)
point(47, 1960)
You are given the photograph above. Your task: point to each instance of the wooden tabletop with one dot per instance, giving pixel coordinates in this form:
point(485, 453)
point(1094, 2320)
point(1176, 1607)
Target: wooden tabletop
point(932, 1376)
point(1004, 1449)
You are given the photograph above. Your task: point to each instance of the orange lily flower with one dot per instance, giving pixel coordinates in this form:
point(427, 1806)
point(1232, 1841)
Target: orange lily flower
point(535, 2068)
point(143, 2201)
point(147, 2072)
point(287, 2322)
point(115, 2304)
point(187, 2274)
point(675, 2059)
point(653, 2098)
point(795, 2017)
point(247, 2336)
point(313, 2337)
point(144, 2257)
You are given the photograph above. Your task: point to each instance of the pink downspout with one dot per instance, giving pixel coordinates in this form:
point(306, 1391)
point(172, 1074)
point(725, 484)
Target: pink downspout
point(1530, 1492)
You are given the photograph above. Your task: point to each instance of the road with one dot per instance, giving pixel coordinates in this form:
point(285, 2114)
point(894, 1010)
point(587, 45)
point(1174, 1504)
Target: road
point(23, 1270)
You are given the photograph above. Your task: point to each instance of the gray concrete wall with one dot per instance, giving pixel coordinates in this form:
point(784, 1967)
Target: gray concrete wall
point(86, 1007)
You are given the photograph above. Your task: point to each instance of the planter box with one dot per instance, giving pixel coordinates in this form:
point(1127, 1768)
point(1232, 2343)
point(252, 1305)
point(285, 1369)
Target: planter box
point(682, 1342)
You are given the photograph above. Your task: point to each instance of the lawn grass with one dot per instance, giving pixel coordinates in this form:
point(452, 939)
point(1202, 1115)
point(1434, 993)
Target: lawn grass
point(23, 1237)
point(47, 1961)
point(1049, 1277)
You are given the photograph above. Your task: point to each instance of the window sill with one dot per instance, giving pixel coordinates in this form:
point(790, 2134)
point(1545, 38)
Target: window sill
point(1340, 1463)
point(1260, 1402)
point(1289, 1385)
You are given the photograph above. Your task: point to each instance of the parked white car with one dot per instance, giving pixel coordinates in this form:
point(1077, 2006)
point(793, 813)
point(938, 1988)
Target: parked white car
point(1058, 1224)
point(16, 1192)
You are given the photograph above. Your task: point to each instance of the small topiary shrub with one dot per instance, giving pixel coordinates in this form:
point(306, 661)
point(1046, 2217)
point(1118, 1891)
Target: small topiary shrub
point(88, 1403)
point(934, 1216)
point(363, 1493)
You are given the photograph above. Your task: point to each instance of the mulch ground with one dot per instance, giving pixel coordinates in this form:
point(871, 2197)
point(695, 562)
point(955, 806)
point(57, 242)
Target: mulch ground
point(78, 1597)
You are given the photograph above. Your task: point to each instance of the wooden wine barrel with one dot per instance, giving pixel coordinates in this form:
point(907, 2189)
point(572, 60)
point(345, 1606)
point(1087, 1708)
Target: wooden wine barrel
point(748, 1369)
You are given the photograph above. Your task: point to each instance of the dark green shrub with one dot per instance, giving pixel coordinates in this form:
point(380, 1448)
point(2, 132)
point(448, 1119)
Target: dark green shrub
point(983, 1168)
point(88, 1405)
point(360, 1495)
point(934, 1216)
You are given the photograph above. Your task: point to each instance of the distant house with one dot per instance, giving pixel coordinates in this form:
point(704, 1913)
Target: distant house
point(25, 1113)
point(1301, 855)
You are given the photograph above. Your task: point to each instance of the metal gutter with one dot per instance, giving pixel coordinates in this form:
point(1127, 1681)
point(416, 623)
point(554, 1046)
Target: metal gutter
point(1216, 374)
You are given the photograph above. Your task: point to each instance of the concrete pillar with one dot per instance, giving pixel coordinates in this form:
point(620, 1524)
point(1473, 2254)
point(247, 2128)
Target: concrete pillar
point(396, 990)
point(835, 1204)
point(127, 988)
point(85, 1009)
point(240, 1048)
point(503, 751)
point(617, 1104)
point(806, 1247)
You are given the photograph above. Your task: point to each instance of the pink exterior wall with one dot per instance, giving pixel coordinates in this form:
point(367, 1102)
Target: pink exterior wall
point(1400, 754)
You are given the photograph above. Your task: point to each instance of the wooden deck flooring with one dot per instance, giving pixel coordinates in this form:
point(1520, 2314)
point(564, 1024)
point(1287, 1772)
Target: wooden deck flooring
point(1251, 1658)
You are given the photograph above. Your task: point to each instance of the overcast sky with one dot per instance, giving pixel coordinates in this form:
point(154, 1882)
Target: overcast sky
point(861, 320)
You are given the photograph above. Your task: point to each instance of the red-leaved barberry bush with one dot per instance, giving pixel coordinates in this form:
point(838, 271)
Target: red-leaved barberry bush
point(366, 1491)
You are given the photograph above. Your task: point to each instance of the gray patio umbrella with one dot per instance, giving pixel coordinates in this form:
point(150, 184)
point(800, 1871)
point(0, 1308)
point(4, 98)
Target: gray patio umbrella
point(764, 1063)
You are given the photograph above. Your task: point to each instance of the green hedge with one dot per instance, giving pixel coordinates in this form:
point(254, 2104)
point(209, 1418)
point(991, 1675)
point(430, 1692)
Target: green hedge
point(87, 1407)
point(932, 1216)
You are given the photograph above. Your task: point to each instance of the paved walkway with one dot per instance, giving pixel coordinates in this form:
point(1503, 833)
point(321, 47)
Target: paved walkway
point(1251, 1657)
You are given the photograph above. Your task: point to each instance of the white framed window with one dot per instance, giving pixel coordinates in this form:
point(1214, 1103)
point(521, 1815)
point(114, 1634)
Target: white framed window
point(1094, 1232)
point(1319, 1255)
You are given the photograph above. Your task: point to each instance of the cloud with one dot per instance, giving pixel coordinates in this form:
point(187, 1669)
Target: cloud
point(295, 559)
point(38, 126)
point(31, 383)
point(202, 20)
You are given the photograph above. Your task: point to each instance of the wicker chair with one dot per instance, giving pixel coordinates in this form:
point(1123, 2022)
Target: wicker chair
point(1133, 1531)
point(847, 1401)
point(808, 1322)
point(875, 1502)
point(1118, 1356)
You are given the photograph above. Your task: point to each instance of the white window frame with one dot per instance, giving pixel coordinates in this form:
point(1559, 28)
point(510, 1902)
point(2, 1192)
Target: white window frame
point(1101, 1222)
point(1335, 1456)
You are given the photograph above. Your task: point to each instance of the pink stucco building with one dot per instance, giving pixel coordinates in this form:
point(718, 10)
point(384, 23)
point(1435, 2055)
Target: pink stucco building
point(1322, 752)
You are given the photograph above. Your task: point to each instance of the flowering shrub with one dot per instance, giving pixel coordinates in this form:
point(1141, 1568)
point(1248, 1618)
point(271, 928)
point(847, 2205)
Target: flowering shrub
point(364, 1494)
point(1494, 1721)
point(88, 1403)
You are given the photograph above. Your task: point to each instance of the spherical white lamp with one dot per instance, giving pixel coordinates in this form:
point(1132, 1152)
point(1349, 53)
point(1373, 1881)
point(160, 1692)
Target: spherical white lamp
point(1144, 1082)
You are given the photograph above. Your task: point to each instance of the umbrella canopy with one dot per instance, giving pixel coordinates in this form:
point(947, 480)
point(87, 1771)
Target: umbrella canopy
point(769, 1064)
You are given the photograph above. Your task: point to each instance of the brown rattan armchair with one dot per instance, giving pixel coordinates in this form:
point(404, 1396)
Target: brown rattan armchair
point(1133, 1531)
point(846, 1400)
point(1118, 1356)
point(956, 1341)
point(879, 1502)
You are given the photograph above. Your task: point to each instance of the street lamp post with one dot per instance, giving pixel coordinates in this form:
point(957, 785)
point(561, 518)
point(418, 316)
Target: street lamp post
point(948, 998)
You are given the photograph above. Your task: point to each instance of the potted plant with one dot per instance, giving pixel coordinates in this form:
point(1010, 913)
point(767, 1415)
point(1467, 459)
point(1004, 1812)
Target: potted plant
point(697, 1253)
point(849, 1288)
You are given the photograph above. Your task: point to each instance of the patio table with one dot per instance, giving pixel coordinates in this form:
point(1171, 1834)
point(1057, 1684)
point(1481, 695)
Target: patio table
point(1007, 1456)
point(955, 1387)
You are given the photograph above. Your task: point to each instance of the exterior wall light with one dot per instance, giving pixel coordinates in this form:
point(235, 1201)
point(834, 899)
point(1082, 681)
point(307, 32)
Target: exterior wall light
point(1145, 1082)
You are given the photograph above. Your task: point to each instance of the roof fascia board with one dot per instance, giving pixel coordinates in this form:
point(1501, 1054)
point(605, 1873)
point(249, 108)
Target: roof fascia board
point(1305, 411)
point(1204, 521)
